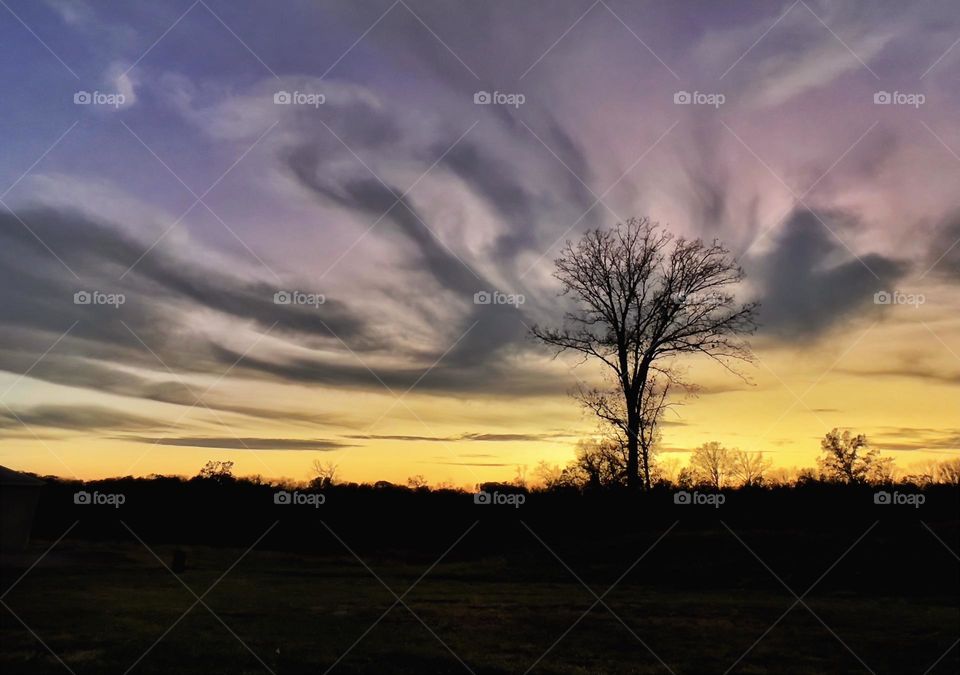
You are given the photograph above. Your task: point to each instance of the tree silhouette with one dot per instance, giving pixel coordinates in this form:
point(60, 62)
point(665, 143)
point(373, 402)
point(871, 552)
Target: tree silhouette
point(644, 298)
point(218, 471)
point(610, 407)
point(323, 474)
point(846, 457)
point(749, 467)
point(711, 464)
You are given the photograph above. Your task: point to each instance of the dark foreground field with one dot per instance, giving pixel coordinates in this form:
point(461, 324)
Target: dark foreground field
point(716, 592)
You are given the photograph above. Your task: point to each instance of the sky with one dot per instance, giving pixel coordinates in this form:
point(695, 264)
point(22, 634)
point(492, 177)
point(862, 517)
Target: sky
point(256, 231)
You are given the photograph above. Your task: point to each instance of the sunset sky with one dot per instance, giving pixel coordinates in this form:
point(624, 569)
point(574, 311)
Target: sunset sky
point(201, 157)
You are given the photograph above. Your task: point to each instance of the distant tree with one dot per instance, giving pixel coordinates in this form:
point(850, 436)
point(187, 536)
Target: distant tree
point(685, 478)
point(749, 467)
point(782, 476)
point(417, 482)
point(520, 476)
point(846, 458)
point(219, 471)
point(949, 472)
point(598, 464)
point(711, 464)
point(665, 471)
point(644, 298)
point(549, 475)
point(923, 473)
point(883, 470)
point(322, 474)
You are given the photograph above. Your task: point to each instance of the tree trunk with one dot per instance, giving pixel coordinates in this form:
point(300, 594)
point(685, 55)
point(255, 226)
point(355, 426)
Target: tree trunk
point(633, 452)
point(646, 468)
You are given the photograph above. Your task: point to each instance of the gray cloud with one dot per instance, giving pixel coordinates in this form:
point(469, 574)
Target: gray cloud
point(243, 443)
point(73, 417)
point(463, 437)
point(810, 282)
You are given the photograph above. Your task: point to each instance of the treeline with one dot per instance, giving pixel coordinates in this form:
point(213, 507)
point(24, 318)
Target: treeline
point(845, 458)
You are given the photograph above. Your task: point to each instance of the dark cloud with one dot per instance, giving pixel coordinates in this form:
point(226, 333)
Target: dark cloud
point(912, 370)
point(38, 305)
point(486, 329)
point(944, 252)
point(37, 292)
point(463, 437)
point(74, 417)
point(471, 463)
point(243, 443)
point(916, 438)
point(810, 282)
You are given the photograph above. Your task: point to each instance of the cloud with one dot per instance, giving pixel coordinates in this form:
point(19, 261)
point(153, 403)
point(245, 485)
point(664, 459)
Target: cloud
point(243, 443)
point(944, 252)
point(161, 294)
point(916, 439)
point(499, 438)
point(74, 417)
point(810, 282)
point(121, 82)
point(470, 463)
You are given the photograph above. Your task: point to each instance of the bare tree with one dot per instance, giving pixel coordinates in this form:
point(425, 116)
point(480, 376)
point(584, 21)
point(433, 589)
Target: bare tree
point(600, 463)
point(644, 298)
point(846, 457)
point(417, 482)
point(949, 472)
point(324, 473)
point(749, 467)
point(883, 470)
point(549, 475)
point(217, 470)
point(520, 475)
point(610, 407)
point(711, 464)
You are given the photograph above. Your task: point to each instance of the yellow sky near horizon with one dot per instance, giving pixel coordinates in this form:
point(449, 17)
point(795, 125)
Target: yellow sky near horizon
point(891, 374)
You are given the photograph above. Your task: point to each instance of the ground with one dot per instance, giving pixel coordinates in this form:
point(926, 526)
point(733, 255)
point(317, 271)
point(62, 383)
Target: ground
point(107, 607)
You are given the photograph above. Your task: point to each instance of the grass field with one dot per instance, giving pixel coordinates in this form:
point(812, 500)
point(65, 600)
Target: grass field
point(106, 607)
